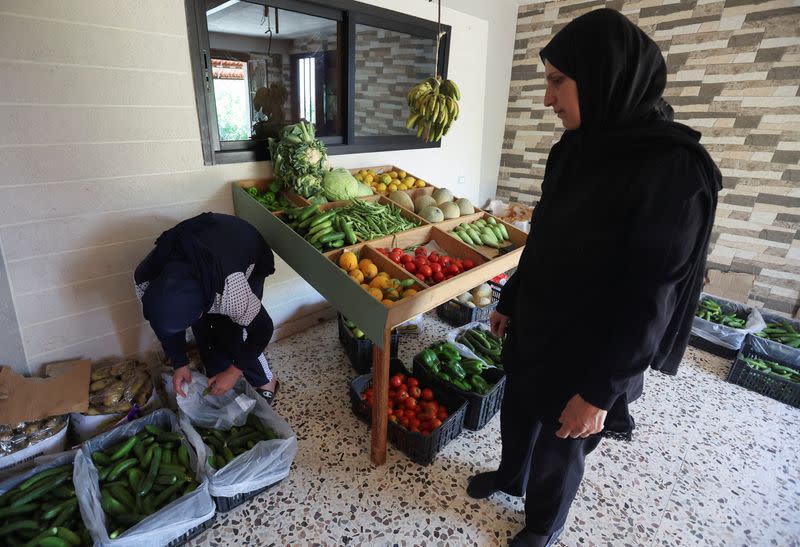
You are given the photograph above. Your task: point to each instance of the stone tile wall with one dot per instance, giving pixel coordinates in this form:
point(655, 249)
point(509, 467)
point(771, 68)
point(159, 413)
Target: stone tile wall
point(734, 75)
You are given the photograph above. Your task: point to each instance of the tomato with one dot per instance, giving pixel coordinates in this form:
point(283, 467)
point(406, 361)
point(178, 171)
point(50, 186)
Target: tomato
point(411, 267)
point(421, 277)
point(397, 250)
point(436, 423)
point(420, 261)
point(369, 400)
point(425, 271)
point(436, 267)
point(395, 381)
point(414, 391)
point(410, 403)
point(424, 432)
point(438, 277)
point(405, 259)
point(468, 264)
point(412, 382)
point(420, 251)
point(395, 258)
point(453, 269)
point(403, 421)
point(442, 414)
point(413, 430)
point(389, 411)
point(434, 257)
point(413, 422)
point(393, 419)
point(402, 395)
point(427, 394)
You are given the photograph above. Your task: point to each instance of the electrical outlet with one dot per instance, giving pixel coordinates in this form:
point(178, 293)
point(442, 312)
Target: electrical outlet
point(461, 180)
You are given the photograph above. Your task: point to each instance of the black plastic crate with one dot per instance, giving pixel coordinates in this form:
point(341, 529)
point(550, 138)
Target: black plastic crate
point(711, 347)
point(193, 533)
point(458, 314)
point(421, 449)
point(780, 389)
point(225, 504)
point(480, 408)
point(359, 351)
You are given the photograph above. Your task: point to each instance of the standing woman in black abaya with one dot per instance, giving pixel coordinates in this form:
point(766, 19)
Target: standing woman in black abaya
point(611, 274)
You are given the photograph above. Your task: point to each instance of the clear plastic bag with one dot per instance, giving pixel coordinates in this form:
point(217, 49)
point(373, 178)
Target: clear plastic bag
point(266, 463)
point(117, 384)
point(163, 526)
point(728, 337)
point(462, 349)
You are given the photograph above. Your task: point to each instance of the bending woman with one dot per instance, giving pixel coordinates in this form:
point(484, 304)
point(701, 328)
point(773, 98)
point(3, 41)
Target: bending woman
point(208, 273)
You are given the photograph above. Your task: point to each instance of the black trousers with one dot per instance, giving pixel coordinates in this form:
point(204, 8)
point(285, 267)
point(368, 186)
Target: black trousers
point(536, 463)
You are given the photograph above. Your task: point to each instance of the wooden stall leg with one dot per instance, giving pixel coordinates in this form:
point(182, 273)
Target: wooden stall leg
point(380, 385)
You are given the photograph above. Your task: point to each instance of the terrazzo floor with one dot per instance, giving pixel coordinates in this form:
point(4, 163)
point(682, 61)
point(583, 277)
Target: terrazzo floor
point(711, 464)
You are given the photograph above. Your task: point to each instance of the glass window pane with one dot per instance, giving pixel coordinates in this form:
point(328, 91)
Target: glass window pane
point(272, 68)
point(388, 64)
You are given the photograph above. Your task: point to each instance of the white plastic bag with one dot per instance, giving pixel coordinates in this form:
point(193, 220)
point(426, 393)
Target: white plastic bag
point(266, 463)
point(217, 412)
point(721, 335)
point(163, 526)
point(462, 349)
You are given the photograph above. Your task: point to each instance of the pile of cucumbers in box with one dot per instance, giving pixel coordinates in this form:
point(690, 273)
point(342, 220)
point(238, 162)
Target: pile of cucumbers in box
point(487, 232)
point(224, 446)
point(772, 368)
point(43, 510)
point(710, 310)
point(142, 474)
point(484, 344)
point(783, 333)
point(444, 361)
point(321, 228)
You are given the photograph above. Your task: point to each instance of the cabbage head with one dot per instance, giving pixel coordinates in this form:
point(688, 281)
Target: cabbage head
point(339, 185)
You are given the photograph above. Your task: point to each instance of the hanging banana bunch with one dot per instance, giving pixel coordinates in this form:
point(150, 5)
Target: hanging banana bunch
point(434, 107)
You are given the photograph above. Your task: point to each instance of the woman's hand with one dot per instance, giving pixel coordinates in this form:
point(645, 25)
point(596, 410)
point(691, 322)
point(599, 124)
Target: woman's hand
point(180, 376)
point(224, 381)
point(498, 323)
point(580, 419)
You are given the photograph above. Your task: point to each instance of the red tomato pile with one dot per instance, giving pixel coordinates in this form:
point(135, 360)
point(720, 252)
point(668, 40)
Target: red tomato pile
point(429, 268)
point(410, 406)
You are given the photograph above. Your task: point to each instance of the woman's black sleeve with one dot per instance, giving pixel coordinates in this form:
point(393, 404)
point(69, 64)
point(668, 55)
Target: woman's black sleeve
point(508, 295)
point(664, 240)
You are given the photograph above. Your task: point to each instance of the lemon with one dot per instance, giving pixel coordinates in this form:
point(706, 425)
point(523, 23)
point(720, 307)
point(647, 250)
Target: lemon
point(381, 187)
point(402, 174)
point(392, 187)
point(420, 183)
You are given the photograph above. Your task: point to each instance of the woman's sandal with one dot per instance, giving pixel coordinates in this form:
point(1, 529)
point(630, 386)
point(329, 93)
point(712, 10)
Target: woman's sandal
point(268, 395)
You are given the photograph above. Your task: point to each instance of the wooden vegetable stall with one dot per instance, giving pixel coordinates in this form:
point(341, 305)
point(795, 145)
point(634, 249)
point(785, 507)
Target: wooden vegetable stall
point(377, 320)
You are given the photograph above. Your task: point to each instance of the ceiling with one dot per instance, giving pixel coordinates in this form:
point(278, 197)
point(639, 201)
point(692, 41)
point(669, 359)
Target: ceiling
point(246, 19)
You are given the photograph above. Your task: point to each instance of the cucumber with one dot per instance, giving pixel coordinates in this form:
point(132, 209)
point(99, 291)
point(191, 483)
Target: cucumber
point(19, 525)
point(124, 496)
point(320, 226)
point(147, 483)
point(19, 510)
point(68, 535)
point(124, 449)
point(328, 215)
point(166, 456)
point(66, 512)
point(183, 456)
point(134, 478)
point(41, 490)
point(100, 459)
point(111, 505)
point(53, 541)
point(331, 237)
point(122, 467)
point(43, 475)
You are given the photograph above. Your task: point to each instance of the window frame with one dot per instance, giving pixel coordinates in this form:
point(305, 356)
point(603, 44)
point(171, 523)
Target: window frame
point(347, 12)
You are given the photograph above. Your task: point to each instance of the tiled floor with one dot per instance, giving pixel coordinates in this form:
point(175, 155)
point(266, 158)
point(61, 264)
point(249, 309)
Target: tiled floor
point(711, 464)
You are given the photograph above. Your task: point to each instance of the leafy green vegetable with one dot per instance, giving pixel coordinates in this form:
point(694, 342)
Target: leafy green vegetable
point(339, 185)
point(299, 160)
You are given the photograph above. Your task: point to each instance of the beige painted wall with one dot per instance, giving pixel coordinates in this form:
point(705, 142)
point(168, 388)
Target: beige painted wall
point(100, 152)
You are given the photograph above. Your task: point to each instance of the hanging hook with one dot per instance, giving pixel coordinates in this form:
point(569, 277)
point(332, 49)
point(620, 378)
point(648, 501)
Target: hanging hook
point(439, 35)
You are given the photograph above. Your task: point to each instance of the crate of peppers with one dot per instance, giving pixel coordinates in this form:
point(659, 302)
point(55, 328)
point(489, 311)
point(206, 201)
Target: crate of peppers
point(457, 370)
point(720, 325)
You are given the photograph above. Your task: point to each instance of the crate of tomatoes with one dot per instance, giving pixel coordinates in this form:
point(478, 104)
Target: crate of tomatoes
point(422, 420)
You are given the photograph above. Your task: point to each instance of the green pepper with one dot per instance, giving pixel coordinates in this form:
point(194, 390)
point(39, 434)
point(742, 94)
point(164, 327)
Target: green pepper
point(455, 370)
point(479, 384)
point(445, 350)
point(461, 384)
point(428, 358)
point(472, 366)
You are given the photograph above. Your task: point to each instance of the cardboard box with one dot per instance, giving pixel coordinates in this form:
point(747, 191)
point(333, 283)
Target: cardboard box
point(729, 285)
point(64, 389)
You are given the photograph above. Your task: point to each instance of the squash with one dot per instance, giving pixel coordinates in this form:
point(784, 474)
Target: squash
point(432, 213)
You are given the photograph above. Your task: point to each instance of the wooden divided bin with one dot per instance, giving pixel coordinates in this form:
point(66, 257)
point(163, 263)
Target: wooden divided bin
point(383, 291)
point(427, 234)
point(516, 240)
point(385, 169)
point(263, 184)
